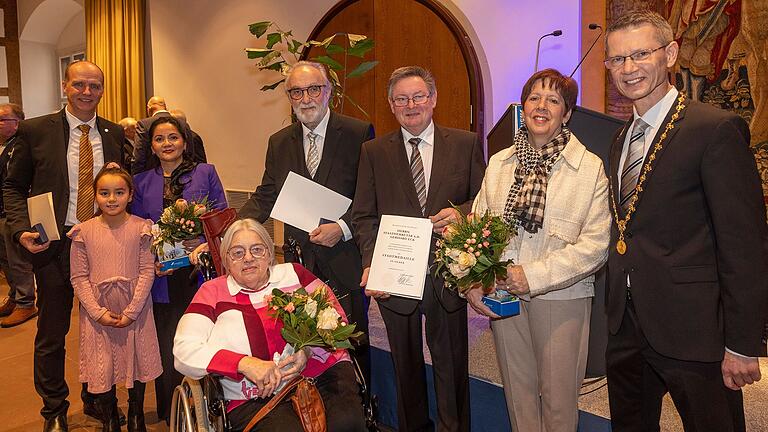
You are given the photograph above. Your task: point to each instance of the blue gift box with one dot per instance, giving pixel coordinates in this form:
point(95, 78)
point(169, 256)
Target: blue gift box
point(503, 304)
point(175, 263)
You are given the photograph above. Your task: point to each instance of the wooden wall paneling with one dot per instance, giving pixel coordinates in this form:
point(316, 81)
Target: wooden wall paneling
point(11, 44)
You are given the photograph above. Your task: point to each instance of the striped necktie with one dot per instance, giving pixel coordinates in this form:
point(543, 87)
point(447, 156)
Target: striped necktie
point(85, 195)
point(634, 162)
point(313, 156)
point(417, 171)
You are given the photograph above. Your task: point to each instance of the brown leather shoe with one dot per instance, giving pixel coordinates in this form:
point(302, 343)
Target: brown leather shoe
point(19, 316)
point(6, 306)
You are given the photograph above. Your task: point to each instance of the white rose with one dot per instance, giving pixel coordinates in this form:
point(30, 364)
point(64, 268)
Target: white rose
point(311, 308)
point(328, 319)
point(453, 253)
point(457, 270)
point(466, 260)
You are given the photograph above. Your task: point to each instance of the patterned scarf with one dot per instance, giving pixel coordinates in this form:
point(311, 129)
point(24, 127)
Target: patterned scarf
point(528, 194)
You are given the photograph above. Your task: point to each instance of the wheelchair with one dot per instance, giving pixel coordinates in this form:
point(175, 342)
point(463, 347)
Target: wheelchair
point(199, 405)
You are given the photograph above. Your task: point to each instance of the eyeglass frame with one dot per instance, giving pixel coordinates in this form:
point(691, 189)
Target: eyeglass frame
point(249, 250)
point(307, 91)
point(631, 56)
point(410, 99)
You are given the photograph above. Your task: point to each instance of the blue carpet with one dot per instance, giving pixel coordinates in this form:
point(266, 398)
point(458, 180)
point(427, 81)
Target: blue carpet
point(488, 408)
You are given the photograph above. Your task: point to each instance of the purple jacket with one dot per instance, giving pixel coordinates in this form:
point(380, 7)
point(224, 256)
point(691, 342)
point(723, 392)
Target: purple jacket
point(148, 203)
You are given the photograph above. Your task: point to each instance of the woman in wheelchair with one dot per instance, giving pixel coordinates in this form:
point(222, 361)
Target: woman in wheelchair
point(228, 331)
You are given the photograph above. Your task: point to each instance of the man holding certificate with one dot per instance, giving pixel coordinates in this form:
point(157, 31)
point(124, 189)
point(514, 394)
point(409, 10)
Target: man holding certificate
point(325, 147)
point(419, 171)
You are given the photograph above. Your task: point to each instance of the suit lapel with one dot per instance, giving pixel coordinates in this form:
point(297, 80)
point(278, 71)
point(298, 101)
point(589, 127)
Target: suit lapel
point(330, 146)
point(60, 123)
point(297, 150)
point(110, 148)
point(440, 151)
point(399, 160)
point(615, 158)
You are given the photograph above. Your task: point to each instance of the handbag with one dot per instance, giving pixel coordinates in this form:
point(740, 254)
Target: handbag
point(306, 401)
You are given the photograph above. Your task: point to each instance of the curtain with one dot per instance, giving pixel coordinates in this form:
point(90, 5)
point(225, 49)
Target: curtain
point(114, 35)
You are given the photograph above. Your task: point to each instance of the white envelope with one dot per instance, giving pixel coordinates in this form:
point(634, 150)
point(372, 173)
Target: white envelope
point(302, 203)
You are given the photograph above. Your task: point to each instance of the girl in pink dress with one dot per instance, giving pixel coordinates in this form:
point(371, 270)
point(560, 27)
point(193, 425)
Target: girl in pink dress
point(112, 270)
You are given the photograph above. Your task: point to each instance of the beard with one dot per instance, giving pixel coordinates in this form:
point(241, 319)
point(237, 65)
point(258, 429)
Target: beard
point(311, 117)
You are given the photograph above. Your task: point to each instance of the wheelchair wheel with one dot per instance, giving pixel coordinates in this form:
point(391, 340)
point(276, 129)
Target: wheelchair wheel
point(190, 409)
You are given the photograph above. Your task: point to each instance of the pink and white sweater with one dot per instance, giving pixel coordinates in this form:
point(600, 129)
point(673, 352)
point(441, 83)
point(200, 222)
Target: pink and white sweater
point(226, 322)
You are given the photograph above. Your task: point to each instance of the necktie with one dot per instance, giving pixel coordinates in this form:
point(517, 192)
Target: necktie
point(313, 156)
point(85, 177)
point(634, 162)
point(417, 171)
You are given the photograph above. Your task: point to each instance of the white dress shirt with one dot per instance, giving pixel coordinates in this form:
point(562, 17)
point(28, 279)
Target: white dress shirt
point(320, 130)
point(426, 149)
point(73, 160)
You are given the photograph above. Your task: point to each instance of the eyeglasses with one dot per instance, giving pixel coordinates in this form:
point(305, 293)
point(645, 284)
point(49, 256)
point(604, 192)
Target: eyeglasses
point(637, 57)
point(298, 93)
point(402, 101)
point(237, 253)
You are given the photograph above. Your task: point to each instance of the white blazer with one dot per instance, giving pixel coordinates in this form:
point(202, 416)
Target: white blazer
point(560, 260)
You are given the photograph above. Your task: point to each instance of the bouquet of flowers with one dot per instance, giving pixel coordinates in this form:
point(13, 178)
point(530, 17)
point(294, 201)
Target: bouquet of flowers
point(469, 252)
point(179, 222)
point(310, 319)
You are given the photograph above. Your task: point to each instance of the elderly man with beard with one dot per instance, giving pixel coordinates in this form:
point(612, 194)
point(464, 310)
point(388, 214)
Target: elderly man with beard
point(323, 146)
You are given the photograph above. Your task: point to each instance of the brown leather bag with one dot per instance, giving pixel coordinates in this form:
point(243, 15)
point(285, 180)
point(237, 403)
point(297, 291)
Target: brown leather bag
point(307, 403)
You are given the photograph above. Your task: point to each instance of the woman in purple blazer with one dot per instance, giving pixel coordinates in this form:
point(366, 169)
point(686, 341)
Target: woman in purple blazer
point(174, 178)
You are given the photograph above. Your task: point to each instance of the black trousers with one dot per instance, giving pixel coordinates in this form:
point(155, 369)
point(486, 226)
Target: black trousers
point(446, 334)
point(340, 393)
point(54, 302)
point(639, 377)
point(181, 290)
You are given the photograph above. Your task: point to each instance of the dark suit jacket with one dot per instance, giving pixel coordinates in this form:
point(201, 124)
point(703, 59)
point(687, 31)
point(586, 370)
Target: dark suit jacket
point(39, 165)
point(142, 151)
point(697, 246)
point(337, 171)
point(385, 187)
point(5, 158)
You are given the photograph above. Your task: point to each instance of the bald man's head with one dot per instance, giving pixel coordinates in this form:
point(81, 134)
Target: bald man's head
point(155, 104)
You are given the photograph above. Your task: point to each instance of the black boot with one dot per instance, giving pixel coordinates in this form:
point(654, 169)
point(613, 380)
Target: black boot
point(136, 408)
point(110, 421)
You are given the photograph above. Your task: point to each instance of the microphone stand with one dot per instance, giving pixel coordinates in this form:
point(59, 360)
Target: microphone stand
point(538, 46)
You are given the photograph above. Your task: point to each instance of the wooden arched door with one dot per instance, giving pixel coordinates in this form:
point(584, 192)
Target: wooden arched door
point(409, 32)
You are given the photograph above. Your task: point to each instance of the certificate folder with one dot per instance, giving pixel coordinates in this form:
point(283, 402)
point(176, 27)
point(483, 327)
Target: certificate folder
point(40, 209)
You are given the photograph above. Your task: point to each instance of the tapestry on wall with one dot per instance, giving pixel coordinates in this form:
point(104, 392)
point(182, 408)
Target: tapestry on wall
point(723, 60)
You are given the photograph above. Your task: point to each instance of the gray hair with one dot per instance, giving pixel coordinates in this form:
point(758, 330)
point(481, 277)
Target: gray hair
point(315, 65)
point(245, 225)
point(411, 71)
point(636, 18)
point(15, 110)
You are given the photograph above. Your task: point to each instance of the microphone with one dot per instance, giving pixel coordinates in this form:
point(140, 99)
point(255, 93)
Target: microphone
point(538, 45)
point(591, 27)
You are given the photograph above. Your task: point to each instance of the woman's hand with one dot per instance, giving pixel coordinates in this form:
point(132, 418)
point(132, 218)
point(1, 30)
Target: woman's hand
point(193, 256)
point(475, 299)
point(160, 272)
point(295, 363)
point(265, 374)
point(123, 321)
point(109, 319)
point(516, 282)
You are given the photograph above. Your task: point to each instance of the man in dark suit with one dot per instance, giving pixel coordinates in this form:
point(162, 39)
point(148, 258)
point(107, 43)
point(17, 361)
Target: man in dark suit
point(49, 158)
point(142, 149)
point(323, 146)
point(419, 171)
point(687, 284)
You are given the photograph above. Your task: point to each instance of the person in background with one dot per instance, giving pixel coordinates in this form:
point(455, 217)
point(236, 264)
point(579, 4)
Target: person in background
point(561, 240)
point(129, 129)
point(176, 177)
point(687, 282)
point(112, 269)
point(19, 306)
point(196, 152)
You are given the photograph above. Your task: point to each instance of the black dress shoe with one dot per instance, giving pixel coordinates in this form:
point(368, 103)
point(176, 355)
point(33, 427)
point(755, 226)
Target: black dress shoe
point(91, 410)
point(56, 424)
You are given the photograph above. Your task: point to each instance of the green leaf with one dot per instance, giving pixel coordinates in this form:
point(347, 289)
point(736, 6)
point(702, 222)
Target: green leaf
point(331, 63)
point(268, 58)
point(362, 68)
point(258, 29)
point(272, 86)
point(295, 47)
point(334, 49)
point(273, 38)
point(360, 48)
point(254, 53)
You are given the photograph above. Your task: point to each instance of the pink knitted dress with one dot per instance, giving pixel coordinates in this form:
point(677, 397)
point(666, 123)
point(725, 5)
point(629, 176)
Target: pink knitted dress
point(113, 269)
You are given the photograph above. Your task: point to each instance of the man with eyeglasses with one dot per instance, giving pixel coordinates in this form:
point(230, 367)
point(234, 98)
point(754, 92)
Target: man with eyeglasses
point(59, 153)
point(323, 146)
point(420, 170)
point(687, 281)
point(19, 306)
